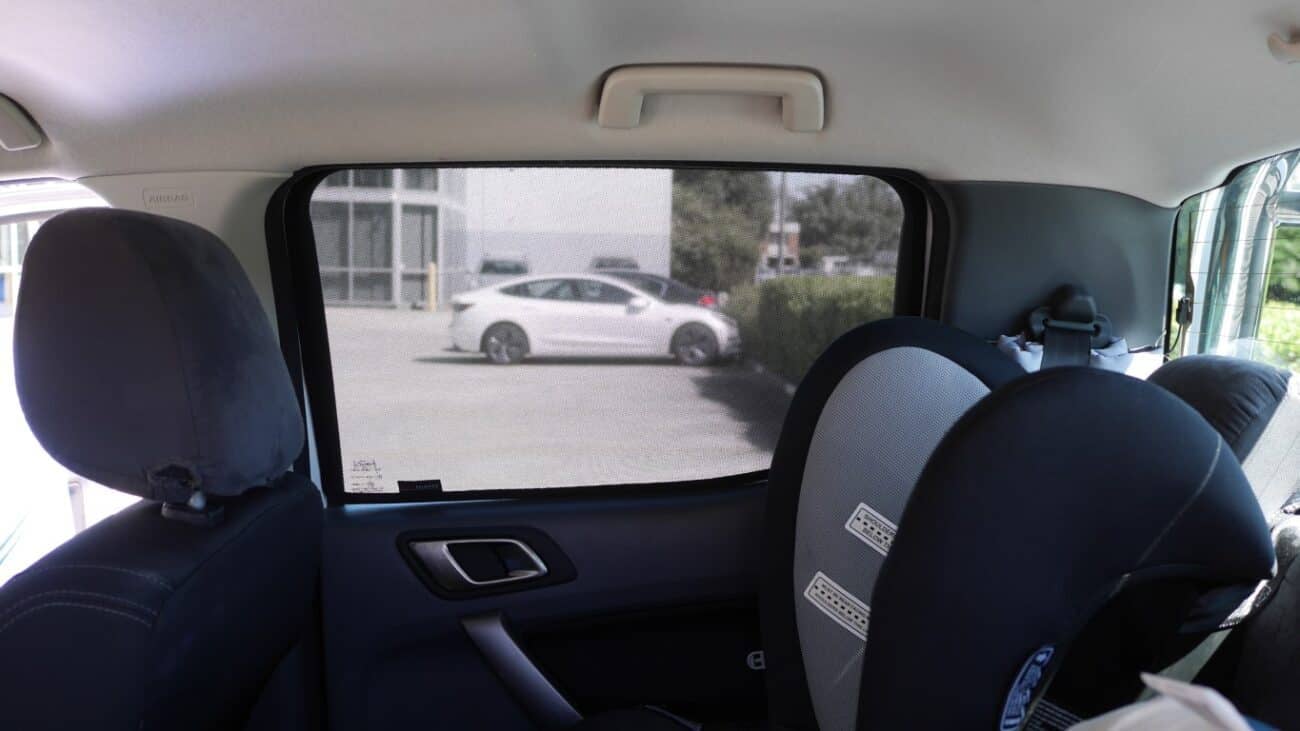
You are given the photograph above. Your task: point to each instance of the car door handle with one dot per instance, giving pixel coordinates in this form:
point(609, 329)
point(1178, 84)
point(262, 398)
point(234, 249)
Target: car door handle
point(463, 564)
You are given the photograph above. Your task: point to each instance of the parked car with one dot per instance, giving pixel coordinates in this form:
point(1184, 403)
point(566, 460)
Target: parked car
point(494, 269)
point(605, 263)
point(666, 289)
point(586, 315)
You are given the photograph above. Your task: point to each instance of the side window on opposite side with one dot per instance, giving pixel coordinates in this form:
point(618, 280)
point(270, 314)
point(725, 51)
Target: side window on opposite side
point(593, 291)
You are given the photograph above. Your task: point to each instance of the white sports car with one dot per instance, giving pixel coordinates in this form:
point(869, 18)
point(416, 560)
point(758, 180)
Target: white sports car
point(586, 315)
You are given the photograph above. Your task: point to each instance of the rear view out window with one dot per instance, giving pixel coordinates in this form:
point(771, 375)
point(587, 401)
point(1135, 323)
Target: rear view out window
point(505, 328)
point(1237, 267)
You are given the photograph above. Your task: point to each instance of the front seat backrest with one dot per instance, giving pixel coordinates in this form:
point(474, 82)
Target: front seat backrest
point(1055, 499)
point(144, 361)
point(860, 427)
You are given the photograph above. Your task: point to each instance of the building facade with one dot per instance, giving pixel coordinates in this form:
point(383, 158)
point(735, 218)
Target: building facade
point(417, 237)
point(390, 237)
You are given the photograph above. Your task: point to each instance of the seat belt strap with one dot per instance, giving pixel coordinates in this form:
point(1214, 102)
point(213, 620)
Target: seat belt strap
point(1069, 328)
point(1066, 346)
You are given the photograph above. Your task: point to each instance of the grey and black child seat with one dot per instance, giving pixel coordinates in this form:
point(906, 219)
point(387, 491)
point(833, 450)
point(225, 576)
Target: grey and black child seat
point(859, 430)
point(1036, 534)
point(1073, 528)
point(145, 362)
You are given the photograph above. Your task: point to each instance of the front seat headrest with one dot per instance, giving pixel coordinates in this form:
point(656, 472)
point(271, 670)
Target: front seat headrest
point(1256, 409)
point(1237, 396)
point(1054, 496)
point(145, 362)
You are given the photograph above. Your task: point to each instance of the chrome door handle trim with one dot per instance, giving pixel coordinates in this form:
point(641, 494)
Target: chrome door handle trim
point(437, 557)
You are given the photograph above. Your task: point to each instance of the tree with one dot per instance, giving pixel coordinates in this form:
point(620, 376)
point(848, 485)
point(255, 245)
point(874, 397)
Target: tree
point(860, 219)
point(719, 221)
point(1283, 282)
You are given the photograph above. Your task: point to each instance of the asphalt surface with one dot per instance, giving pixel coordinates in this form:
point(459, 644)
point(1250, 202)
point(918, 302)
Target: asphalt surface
point(410, 408)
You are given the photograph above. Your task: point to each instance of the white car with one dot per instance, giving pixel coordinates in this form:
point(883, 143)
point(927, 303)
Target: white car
point(586, 315)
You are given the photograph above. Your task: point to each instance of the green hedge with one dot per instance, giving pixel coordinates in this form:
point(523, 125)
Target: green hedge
point(785, 323)
point(1279, 329)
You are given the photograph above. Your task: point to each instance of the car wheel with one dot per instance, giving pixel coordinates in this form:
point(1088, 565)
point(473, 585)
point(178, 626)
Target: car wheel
point(505, 343)
point(695, 345)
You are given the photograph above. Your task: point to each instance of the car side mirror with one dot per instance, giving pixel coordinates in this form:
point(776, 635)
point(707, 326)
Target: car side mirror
point(636, 304)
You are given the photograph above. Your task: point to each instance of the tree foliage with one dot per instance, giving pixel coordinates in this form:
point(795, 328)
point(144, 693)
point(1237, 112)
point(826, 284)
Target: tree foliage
point(1284, 266)
point(860, 219)
point(719, 219)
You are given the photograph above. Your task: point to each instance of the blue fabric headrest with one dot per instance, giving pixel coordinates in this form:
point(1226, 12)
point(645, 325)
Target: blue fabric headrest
point(1040, 504)
point(145, 362)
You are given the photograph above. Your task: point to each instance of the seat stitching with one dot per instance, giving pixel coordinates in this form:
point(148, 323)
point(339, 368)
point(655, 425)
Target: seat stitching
point(148, 577)
point(73, 592)
point(78, 605)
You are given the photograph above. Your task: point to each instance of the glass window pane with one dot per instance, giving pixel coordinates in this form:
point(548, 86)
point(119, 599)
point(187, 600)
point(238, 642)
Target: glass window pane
point(419, 236)
point(329, 222)
point(372, 287)
point(597, 396)
point(420, 178)
point(372, 244)
point(372, 178)
point(591, 291)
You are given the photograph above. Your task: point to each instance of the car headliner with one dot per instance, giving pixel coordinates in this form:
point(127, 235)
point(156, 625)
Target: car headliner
point(1158, 99)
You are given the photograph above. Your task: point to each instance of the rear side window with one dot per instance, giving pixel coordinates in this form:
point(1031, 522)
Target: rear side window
point(42, 503)
point(1236, 269)
point(592, 291)
point(443, 373)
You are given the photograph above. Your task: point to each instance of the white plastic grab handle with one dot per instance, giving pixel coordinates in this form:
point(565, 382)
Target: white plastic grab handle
point(802, 103)
point(17, 132)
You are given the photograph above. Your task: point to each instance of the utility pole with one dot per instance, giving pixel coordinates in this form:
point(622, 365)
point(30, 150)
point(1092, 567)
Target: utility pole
point(780, 228)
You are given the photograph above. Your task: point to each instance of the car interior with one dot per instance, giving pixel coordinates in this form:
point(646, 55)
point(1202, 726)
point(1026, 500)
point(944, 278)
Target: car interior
point(895, 364)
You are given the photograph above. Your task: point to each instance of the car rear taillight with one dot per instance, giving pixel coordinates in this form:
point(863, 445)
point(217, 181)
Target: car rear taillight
point(461, 306)
point(707, 300)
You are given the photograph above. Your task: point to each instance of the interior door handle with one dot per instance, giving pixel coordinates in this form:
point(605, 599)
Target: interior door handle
point(464, 564)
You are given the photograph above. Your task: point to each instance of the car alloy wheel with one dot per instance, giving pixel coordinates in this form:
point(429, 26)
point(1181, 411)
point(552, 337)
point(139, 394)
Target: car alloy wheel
point(505, 344)
point(695, 345)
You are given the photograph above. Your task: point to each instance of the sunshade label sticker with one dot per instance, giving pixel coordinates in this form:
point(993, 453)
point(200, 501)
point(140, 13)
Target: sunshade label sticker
point(837, 603)
point(872, 528)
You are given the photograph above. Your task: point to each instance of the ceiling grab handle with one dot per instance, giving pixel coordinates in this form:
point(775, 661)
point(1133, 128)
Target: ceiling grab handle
point(17, 130)
point(803, 105)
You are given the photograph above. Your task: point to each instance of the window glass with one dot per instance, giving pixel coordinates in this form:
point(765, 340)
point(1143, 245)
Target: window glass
point(42, 503)
point(420, 178)
point(372, 178)
point(592, 291)
point(453, 372)
point(1237, 267)
point(502, 266)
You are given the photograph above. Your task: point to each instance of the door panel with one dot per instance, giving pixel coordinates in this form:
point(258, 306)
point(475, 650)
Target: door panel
point(660, 609)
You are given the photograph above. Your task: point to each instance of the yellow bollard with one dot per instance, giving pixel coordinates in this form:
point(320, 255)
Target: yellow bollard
point(431, 287)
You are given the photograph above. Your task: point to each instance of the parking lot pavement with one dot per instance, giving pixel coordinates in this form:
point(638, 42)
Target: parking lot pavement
point(419, 411)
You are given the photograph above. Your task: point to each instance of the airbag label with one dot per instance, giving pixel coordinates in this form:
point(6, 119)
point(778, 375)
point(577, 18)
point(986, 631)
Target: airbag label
point(847, 610)
point(872, 528)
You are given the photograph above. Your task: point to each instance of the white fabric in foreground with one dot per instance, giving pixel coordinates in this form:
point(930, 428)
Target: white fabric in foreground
point(1029, 354)
point(1179, 707)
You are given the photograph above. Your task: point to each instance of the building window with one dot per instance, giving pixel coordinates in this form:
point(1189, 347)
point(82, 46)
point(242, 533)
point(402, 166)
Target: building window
point(340, 179)
point(373, 178)
point(420, 178)
point(372, 244)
